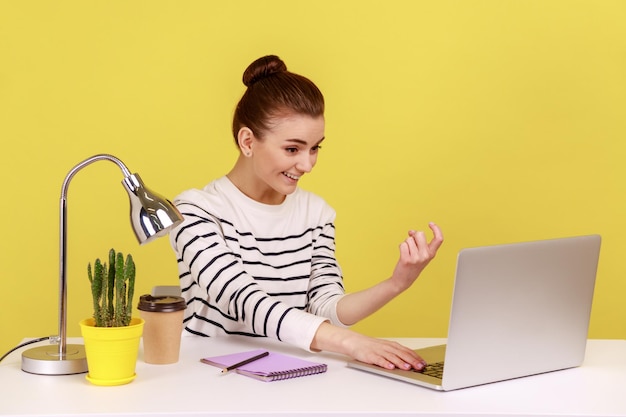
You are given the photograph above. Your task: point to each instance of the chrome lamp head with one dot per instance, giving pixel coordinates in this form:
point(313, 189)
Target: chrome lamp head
point(151, 216)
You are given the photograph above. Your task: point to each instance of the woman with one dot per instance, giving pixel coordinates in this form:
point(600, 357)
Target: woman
point(256, 254)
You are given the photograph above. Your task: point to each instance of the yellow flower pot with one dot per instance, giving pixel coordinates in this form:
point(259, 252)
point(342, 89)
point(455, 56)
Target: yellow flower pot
point(111, 351)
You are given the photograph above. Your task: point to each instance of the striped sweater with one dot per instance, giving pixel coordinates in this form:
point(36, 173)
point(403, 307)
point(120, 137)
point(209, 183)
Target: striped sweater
point(253, 269)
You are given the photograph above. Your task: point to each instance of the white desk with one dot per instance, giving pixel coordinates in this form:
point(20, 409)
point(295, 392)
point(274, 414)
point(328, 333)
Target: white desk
point(598, 388)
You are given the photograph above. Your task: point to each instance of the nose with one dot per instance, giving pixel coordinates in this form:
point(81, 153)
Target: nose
point(306, 162)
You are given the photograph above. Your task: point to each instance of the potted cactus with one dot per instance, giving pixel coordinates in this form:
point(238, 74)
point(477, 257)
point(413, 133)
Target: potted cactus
point(112, 336)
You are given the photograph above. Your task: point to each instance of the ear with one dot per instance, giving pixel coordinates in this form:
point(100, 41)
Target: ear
point(245, 138)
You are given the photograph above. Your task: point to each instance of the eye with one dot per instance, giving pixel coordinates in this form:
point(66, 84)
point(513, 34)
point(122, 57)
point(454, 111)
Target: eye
point(291, 149)
point(316, 148)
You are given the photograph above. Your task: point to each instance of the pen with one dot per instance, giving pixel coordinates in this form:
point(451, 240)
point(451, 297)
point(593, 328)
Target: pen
point(247, 361)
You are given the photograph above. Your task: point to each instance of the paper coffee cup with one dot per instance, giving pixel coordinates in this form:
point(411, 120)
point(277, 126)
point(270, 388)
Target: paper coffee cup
point(163, 328)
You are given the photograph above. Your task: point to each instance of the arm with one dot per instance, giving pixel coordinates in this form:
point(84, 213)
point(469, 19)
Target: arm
point(415, 254)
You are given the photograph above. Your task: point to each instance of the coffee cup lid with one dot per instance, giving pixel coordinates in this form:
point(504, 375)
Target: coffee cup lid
point(164, 303)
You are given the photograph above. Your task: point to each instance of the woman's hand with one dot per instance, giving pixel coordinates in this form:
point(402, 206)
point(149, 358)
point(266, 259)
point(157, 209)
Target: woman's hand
point(384, 353)
point(415, 253)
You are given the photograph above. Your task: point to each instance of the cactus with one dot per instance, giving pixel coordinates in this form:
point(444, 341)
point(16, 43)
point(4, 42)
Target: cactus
point(112, 290)
point(129, 272)
point(111, 283)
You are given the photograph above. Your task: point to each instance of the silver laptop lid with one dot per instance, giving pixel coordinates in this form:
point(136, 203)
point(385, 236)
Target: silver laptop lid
point(520, 309)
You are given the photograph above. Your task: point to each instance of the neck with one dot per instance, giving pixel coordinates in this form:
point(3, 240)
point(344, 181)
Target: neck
point(242, 176)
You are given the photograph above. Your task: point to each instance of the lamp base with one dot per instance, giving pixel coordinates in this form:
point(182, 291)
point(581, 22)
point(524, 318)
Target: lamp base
point(46, 360)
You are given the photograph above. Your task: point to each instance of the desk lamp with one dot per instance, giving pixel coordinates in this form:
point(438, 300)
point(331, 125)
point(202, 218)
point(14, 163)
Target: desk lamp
point(151, 216)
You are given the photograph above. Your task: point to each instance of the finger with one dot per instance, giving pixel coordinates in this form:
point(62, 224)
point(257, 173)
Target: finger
point(437, 240)
point(418, 245)
point(383, 358)
point(389, 360)
point(420, 240)
point(411, 247)
point(408, 362)
point(405, 358)
point(436, 230)
point(405, 250)
point(411, 242)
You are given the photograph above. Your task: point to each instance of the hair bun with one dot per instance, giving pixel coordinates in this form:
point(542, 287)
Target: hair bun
point(262, 68)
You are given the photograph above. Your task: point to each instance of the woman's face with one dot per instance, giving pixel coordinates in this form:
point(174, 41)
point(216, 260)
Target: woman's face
point(286, 152)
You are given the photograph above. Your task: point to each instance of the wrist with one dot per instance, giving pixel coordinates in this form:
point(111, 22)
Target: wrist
point(395, 286)
point(333, 339)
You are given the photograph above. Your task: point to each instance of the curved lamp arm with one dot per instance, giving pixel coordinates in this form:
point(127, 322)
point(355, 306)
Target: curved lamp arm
point(151, 216)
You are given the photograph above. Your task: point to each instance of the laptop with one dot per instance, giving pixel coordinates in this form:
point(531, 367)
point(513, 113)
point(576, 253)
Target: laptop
point(517, 309)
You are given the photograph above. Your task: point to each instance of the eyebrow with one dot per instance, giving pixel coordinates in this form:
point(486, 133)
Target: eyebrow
point(302, 142)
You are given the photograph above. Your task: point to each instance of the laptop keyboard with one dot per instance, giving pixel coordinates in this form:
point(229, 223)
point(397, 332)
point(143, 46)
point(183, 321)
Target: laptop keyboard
point(433, 369)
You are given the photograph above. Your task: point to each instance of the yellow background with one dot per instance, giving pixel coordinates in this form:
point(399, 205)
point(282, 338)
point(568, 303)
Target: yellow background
point(500, 120)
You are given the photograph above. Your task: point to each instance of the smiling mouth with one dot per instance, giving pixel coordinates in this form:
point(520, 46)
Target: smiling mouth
point(293, 177)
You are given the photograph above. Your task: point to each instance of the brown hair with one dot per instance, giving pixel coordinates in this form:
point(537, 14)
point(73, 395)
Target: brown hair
point(272, 92)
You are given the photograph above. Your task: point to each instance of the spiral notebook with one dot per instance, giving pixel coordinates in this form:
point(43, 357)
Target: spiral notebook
point(273, 367)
